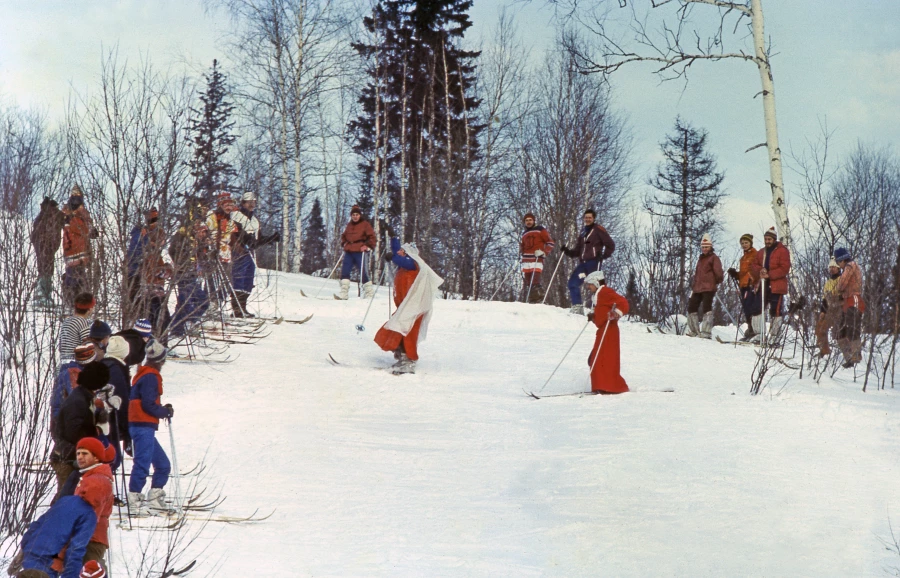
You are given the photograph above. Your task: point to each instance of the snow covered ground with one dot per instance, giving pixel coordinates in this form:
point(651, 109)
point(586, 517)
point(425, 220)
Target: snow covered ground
point(454, 471)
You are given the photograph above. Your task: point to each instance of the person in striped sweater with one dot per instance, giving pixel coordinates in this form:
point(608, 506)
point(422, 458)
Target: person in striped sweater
point(77, 327)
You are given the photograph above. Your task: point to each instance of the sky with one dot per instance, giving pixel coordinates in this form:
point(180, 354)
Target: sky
point(835, 63)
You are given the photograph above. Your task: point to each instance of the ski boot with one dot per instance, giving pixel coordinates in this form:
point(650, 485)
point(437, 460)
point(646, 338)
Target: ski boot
point(345, 290)
point(693, 325)
point(369, 289)
point(157, 503)
point(706, 326)
point(137, 507)
point(577, 309)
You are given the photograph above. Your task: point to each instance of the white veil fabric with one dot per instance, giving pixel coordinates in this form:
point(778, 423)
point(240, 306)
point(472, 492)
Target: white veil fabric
point(419, 300)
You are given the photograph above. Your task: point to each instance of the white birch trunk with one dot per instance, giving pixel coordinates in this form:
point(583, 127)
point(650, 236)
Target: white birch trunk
point(297, 253)
point(774, 150)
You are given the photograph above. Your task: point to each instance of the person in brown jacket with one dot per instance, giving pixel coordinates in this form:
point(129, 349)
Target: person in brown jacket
point(773, 263)
point(77, 235)
point(747, 280)
point(534, 246)
point(707, 277)
point(46, 239)
point(849, 288)
point(358, 240)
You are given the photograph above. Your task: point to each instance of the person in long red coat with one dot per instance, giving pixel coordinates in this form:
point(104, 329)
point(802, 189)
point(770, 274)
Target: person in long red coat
point(609, 306)
point(414, 288)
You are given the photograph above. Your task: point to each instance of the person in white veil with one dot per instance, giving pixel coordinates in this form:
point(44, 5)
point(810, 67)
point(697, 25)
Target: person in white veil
point(414, 288)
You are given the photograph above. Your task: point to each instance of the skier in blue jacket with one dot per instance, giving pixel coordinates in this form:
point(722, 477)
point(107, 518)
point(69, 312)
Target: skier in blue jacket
point(69, 524)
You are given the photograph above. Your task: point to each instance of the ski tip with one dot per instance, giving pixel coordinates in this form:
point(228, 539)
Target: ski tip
point(333, 360)
point(530, 394)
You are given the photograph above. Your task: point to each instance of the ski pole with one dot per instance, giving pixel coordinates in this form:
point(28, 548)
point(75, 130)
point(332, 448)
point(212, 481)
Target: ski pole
point(597, 353)
point(564, 356)
point(177, 472)
point(276, 278)
point(727, 312)
point(361, 326)
point(333, 269)
point(552, 277)
point(530, 281)
point(762, 330)
point(503, 282)
point(362, 269)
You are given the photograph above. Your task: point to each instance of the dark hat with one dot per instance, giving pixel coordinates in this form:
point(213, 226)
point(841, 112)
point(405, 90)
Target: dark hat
point(48, 202)
point(842, 254)
point(105, 454)
point(85, 353)
point(76, 198)
point(747, 237)
point(99, 330)
point(93, 376)
point(528, 216)
point(355, 209)
point(151, 215)
point(771, 233)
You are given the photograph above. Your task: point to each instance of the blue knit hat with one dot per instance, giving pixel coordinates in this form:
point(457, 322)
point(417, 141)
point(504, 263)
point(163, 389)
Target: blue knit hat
point(100, 330)
point(841, 254)
point(144, 327)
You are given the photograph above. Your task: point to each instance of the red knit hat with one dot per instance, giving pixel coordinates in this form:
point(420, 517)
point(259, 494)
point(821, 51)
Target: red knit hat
point(92, 569)
point(85, 301)
point(355, 209)
point(95, 446)
point(528, 216)
point(223, 198)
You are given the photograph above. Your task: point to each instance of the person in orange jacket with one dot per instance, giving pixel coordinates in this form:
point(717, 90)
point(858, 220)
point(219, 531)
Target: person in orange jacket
point(77, 234)
point(534, 246)
point(849, 289)
point(414, 289)
point(604, 359)
point(747, 280)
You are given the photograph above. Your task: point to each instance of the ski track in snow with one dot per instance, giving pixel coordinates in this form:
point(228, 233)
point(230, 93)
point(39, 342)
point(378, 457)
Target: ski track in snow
point(454, 471)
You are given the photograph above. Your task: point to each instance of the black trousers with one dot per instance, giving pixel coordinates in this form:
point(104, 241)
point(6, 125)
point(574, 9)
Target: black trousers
point(703, 299)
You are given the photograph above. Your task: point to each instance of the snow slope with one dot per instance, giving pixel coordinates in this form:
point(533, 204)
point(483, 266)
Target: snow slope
point(454, 471)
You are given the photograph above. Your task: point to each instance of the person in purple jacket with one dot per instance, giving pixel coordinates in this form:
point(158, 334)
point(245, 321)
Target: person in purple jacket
point(594, 245)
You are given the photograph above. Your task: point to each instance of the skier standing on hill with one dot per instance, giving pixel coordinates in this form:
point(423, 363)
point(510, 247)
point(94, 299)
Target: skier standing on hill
point(46, 239)
point(144, 412)
point(594, 245)
point(604, 360)
point(849, 287)
point(414, 289)
point(746, 280)
point(358, 240)
point(829, 309)
point(120, 379)
point(534, 246)
point(707, 277)
point(77, 235)
point(243, 268)
point(145, 243)
point(772, 265)
point(189, 250)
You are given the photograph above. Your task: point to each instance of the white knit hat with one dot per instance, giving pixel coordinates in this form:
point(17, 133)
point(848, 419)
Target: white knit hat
point(706, 241)
point(248, 196)
point(117, 348)
point(595, 278)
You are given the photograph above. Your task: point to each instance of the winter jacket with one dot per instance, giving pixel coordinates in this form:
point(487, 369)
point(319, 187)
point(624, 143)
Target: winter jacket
point(407, 269)
point(222, 231)
point(46, 233)
point(76, 420)
point(830, 297)
point(76, 238)
point(708, 273)
point(746, 277)
point(536, 238)
point(849, 287)
point(777, 261)
point(72, 332)
point(96, 488)
point(593, 244)
point(358, 235)
point(144, 408)
point(604, 300)
point(120, 378)
point(137, 245)
point(68, 524)
point(66, 381)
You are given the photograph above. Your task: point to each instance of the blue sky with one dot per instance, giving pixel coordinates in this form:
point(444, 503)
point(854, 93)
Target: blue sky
point(836, 61)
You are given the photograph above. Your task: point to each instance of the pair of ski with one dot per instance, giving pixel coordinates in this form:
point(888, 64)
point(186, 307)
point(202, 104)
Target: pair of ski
point(280, 320)
point(584, 393)
point(780, 360)
point(390, 369)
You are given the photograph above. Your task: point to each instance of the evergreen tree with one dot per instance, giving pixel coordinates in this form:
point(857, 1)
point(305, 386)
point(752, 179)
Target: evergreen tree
point(415, 137)
point(314, 241)
point(690, 188)
point(211, 136)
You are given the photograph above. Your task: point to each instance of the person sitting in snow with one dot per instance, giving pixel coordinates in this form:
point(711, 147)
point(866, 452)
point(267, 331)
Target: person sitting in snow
point(604, 361)
point(414, 289)
point(707, 277)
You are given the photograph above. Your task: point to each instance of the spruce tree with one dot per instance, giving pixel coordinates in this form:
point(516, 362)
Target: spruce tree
point(690, 192)
point(314, 241)
point(210, 133)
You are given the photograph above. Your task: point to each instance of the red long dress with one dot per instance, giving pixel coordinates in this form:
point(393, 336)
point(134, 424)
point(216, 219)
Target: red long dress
point(605, 377)
point(389, 340)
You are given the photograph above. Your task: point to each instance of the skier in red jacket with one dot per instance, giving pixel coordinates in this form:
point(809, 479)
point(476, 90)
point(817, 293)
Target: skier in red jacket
point(534, 246)
point(604, 360)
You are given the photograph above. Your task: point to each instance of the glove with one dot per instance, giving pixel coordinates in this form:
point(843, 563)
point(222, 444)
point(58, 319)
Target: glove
point(104, 427)
point(733, 273)
point(614, 314)
point(539, 253)
point(170, 409)
point(102, 418)
point(275, 238)
point(114, 401)
point(387, 256)
point(590, 316)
